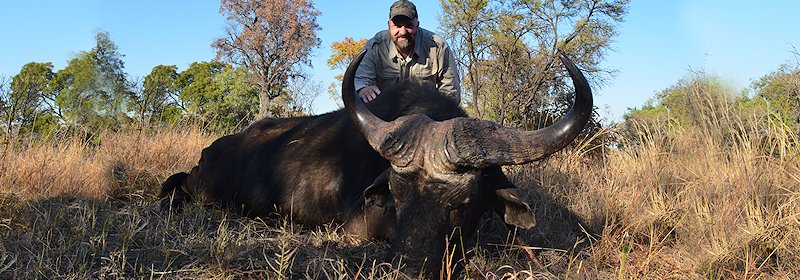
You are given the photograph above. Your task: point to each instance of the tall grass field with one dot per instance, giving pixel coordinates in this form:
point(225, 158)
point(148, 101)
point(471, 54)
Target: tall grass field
point(715, 199)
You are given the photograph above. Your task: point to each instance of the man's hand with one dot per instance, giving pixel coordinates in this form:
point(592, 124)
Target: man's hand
point(369, 93)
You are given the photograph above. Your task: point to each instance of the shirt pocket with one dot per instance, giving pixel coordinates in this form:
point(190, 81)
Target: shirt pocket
point(424, 72)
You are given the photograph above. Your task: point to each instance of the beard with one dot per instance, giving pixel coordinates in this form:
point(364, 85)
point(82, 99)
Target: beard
point(405, 45)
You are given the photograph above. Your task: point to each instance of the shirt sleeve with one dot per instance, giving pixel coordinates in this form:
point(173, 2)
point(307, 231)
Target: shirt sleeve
point(365, 75)
point(450, 84)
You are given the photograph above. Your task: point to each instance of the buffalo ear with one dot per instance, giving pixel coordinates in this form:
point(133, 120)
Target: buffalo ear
point(513, 210)
point(378, 193)
point(509, 206)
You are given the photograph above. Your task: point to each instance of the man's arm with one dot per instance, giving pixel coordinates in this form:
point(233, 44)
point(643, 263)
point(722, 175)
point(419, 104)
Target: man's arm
point(449, 83)
point(365, 75)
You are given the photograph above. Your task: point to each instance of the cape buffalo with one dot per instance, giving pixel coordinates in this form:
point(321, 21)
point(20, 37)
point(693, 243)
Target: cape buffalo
point(416, 180)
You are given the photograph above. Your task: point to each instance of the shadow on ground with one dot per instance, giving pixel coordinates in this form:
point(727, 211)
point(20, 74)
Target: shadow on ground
point(129, 236)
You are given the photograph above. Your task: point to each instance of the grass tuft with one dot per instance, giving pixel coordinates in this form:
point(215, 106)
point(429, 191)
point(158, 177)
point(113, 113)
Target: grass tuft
point(718, 199)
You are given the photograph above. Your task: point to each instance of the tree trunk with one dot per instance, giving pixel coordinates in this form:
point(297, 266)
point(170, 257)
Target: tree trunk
point(263, 105)
point(473, 60)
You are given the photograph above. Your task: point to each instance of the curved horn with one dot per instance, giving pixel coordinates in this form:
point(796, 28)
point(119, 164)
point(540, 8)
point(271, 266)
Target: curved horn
point(482, 143)
point(372, 127)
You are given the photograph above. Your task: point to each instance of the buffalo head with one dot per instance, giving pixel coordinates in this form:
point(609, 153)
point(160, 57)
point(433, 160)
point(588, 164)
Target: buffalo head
point(445, 174)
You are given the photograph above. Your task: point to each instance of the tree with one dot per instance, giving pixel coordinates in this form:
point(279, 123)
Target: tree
point(269, 38)
point(24, 100)
point(112, 86)
point(303, 92)
point(92, 91)
point(465, 22)
point(197, 87)
point(700, 100)
point(72, 98)
point(782, 90)
point(509, 50)
point(217, 95)
point(154, 103)
point(5, 101)
point(234, 106)
point(508, 73)
point(342, 53)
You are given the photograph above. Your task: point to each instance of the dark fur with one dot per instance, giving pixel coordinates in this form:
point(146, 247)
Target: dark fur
point(313, 169)
point(320, 169)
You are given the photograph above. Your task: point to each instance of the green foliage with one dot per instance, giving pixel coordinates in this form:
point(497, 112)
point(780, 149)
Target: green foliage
point(507, 50)
point(699, 100)
point(465, 24)
point(155, 102)
point(235, 105)
point(73, 95)
point(781, 90)
point(218, 95)
point(706, 104)
point(23, 106)
point(198, 87)
point(45, 124)
point(112, 85)
point(92, 91)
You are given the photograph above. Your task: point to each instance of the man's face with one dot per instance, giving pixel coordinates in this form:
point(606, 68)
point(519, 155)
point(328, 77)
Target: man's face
point(403, 31)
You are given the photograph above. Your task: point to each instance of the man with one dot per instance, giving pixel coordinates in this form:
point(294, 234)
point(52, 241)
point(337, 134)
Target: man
point(406, 51)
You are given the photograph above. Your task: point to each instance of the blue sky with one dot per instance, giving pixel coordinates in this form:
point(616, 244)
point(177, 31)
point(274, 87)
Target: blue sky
point(659, 43)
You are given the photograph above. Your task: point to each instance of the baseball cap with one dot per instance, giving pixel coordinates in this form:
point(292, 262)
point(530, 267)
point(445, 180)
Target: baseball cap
point(403, 8)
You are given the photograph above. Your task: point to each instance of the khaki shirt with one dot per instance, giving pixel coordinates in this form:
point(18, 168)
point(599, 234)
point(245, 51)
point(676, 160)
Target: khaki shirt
point(430, 61)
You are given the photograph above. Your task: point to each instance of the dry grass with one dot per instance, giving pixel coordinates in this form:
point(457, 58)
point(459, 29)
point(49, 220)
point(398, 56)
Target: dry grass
point(119, 164)
point(719, 200)
point(687, 206)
